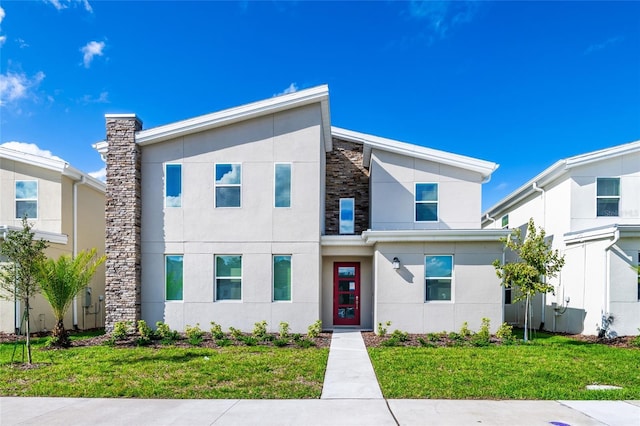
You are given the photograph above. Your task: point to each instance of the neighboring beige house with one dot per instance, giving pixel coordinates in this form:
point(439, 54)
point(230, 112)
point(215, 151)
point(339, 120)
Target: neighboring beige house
point(267, 212)
point(589, 206)
point(66, 208)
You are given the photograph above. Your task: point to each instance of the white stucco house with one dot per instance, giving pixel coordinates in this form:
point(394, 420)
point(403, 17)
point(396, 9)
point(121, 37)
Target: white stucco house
point(66, 208)
point(589, 206)
point(267, 212)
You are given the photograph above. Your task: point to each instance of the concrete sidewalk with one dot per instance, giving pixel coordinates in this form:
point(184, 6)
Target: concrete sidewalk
point(350, 396)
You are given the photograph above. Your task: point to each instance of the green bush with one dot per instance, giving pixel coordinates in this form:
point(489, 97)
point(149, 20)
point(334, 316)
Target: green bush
point(636, 340)
point(283, 330)
point(505, 333)
point(314, 329)
point(145, 332)
point(121, 330)
point(260, 330)
point(236, 333)
point(194, 334)
point(464, 330)
point(216, 331)
point(382, 329)
point(392, 341)
point(166, 335)
point(482, 337)
point(249, 340)
point(280, 342)
point(304, 343)
point(224, 342)
point(399, 335)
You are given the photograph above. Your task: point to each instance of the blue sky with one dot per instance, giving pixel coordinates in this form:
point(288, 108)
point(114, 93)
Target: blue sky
point(519, 83)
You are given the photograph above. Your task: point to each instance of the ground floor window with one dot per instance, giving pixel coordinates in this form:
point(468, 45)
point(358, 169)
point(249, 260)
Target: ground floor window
point(173, 277)
point(228, 277)
point(438, 277)
point(281, 278)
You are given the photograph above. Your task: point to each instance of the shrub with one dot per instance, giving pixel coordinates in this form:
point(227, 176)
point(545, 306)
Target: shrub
point(194, 334)
point(505, 333)
point(464, 330)
point(236, 333)
point(314, 329)
point(392, 341)
point(433, 337)
point(224, 342)
point(482, 337)
point(382, 329)
point(121, 329)
point(399, 335)
point(260, 330)
point(636, 340)
point(216, 331)
point(280, 342)
point(145, 333)
point(304, 343)
point(249, 340)
point(283, 330)
point(426, 343)
point(166, 335)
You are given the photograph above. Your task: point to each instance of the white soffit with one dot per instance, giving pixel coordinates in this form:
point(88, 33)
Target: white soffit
point(318, 94)
point(435, 235)
point(370, 142)
point(51, 237)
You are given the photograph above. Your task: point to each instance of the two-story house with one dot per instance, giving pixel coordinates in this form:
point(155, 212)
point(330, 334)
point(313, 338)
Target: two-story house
point(589, 206)
point(267, 212)
point(66, 208)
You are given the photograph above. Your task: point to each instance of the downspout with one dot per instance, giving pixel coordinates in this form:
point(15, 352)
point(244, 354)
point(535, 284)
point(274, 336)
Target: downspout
point(493, 221)
point(535, 187)
point(75, 242)
point(607, 281)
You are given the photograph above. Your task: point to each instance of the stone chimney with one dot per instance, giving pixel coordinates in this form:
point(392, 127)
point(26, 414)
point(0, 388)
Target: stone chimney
point(122, 214)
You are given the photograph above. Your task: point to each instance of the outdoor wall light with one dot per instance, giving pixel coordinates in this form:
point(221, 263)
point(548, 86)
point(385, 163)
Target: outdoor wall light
point(396, 263)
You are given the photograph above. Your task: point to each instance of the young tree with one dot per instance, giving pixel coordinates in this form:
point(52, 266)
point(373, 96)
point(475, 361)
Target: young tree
point(60, 281)
point(18, 277)
point(537, 263)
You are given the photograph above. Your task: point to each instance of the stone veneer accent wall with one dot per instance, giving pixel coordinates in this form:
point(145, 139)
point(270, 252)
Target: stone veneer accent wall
point(122, 214)
point(346, 178)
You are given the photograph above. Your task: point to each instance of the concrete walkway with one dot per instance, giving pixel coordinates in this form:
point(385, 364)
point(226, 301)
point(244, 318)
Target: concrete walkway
point(350, 396)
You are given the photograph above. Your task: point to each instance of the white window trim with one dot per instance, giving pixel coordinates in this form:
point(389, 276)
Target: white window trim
point(15, 195)
point(165, 278)
point(290, 185)
point(619, 196)
point(452, 278)
point(216, 277)
point(353, 200)
point(273, 287)
point(416, 202)
point(165, 185)
point(226, 185)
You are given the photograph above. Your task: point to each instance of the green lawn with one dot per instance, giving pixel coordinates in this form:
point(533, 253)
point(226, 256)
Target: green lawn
point(169, 372)
point(550, 367)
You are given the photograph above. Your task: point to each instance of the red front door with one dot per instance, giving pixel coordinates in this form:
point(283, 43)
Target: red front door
point(346, 293)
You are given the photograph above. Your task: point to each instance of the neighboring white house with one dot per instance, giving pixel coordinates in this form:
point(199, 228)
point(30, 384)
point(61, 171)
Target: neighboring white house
point(589, 206)
point(267, 212)
point(66, 208)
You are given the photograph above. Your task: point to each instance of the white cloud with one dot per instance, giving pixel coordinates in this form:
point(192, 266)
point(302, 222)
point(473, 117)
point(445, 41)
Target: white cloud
point(23, 44)
point(600, 46)
point(15, 86)
point(232, 176)
point(293, 87)
point(174, 201)
point(29, 148)
point(64, 4)
point(442, 16)
point(2, 14)
point(103, 98)
point(100, 174)
point(2, 40)
point(91, 49)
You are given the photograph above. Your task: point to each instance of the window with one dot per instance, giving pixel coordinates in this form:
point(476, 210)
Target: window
point(347, 222)
point(608, 196)
point(228, 277)
point(281, 278)
point(282, 187)
point(173, 185)
point(505, 221)
point(426, 202)
point(27, 199)
point(228, 185)
point(507, 295)
point(438, 275)
point(173, 277)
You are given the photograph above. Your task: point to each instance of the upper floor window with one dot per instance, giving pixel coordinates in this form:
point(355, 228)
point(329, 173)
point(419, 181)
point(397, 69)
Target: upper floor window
point(608, 196)
point(282, 277)
point(505, 221)
point(438, 277)
point(282, 187)
point(228, 185)
point(173, 185)
point(27, 199)
point(173, 277)
point(347, 215)
point(228, 277)
point(426, 202)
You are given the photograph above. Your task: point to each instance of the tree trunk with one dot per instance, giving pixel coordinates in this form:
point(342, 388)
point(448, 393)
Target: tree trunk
point(28, 329)
point(60, 337)
point(526, 319)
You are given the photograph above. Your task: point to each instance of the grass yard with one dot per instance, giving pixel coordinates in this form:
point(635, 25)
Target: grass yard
point(168, 372)
point(549, 367)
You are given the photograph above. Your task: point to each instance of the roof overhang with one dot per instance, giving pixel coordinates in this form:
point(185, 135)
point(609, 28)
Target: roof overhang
point(52, 237)
point(371, 142)
point(344, 241)
point(435, 235)
point(601, 233)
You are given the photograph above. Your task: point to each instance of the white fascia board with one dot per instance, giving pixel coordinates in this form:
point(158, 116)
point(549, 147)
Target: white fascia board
point(370, 142)
point(319, 94)
point(600, 233)
point(343, 241)
point(603, 154)
point(435, 235)
point(34, 160)
point(52, 237)
point(84, 178)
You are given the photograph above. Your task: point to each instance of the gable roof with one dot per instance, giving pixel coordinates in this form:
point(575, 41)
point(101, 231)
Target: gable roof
point(371, 142)
point(318, 94)
point(554, 172)
point(54, 164)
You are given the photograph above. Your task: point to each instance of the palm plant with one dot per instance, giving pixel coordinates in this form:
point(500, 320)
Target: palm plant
point(60, 281)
